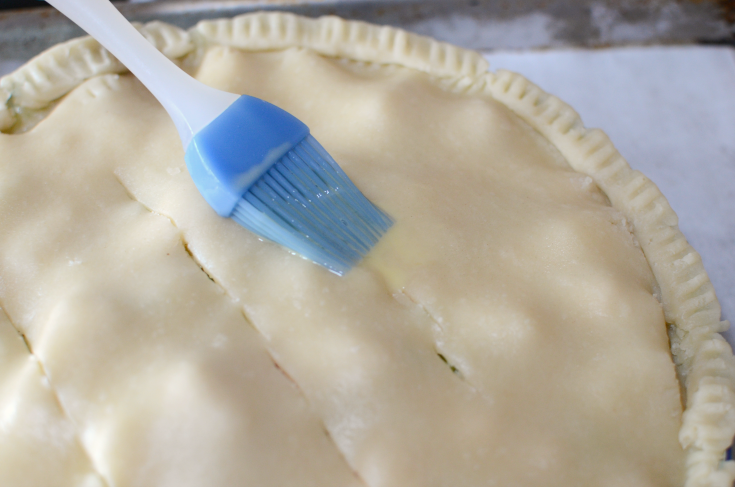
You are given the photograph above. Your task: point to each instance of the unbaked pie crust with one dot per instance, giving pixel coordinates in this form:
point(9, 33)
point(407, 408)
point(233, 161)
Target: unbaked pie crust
point(507, 331)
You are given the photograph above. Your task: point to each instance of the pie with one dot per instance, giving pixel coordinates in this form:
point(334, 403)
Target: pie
point(533, 318)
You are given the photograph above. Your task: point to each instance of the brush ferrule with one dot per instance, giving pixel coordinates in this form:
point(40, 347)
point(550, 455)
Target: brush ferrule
point(227, 156)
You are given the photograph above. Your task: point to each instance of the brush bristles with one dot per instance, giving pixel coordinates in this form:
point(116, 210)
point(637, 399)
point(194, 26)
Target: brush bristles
point(307, 203)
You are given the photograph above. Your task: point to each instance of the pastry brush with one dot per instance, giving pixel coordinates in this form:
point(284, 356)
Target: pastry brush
point(250, 160)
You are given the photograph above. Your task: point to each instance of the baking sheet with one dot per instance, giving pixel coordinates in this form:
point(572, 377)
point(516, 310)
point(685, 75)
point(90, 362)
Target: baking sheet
point(475, 24)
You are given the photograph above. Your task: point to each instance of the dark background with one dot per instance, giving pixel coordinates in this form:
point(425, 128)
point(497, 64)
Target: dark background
point(13, 4)
point(10, 4)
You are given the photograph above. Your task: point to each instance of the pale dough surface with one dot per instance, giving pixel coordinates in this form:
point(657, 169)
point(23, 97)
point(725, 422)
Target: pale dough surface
point(33, 429)
point(503, 261)
point(165, 380)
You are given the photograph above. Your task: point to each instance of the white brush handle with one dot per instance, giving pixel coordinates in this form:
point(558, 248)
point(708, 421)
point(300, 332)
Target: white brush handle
point(190, 103)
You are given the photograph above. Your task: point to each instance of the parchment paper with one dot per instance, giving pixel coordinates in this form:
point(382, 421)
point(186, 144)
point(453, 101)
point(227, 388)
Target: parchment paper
point(670, 111)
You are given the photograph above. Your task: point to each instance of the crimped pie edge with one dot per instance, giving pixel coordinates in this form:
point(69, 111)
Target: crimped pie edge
point(704, 360)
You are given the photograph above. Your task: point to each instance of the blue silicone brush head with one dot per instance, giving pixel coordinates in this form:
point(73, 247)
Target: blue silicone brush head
point(260, 166)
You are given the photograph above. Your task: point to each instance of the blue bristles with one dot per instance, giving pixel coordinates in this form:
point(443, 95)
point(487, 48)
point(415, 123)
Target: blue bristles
point(258, 165)
point(307, 203)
